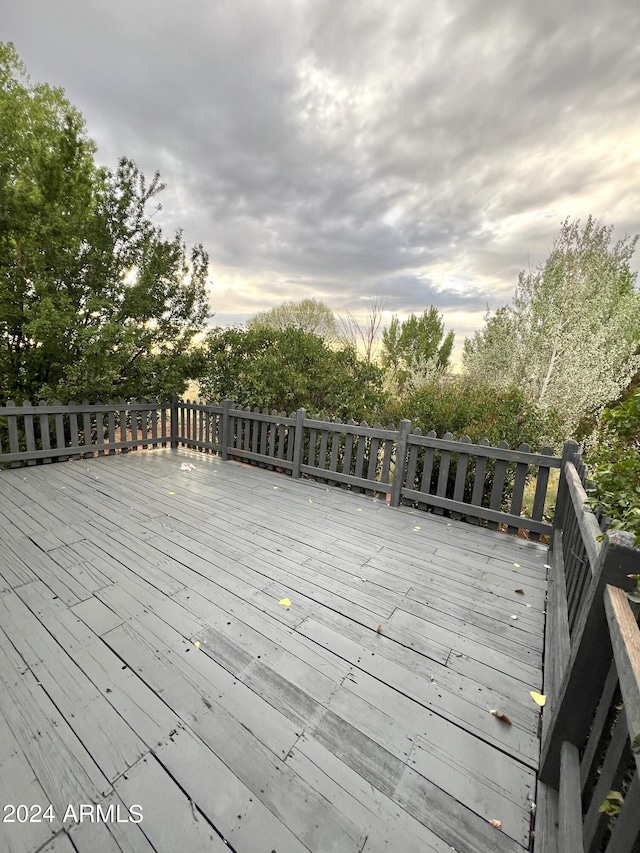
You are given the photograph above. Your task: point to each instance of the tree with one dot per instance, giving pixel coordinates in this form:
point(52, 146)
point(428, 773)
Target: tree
point(356, 334)
point(570, 336)
point(94, 300)
point(416, 344)
point(310, 315)
point(288, 369)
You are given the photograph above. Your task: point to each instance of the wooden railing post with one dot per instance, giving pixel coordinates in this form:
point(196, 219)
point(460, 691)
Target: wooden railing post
point(569, 450)
point(174, 420)
point(590, 657)
point(226, 429)
point(401, 458)
point(298, 443)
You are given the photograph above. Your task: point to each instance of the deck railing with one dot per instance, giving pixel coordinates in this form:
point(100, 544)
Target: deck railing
point(589, 787)
point(53, 432)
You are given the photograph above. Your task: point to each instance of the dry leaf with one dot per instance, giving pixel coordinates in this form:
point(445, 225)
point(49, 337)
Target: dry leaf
point(519, 591)
point(378, 629)
point(197, 644)
point(500, 716)
point(538, 698)
point(496, 823)
point(517, 565)
point(285, 602)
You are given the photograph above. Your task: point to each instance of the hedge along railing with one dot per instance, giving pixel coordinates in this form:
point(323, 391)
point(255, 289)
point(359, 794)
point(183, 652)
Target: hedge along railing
point(469, 480)
point(591, 722)
point(54, 432)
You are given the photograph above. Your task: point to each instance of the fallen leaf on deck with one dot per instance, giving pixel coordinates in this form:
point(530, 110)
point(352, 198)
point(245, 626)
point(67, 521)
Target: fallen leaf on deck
point(513, 616)
point(547, 566)
point(197, 644)
point(517, 565)
point(358, 509)
point(310, 501)
point(500, 716)
point(275, 487)
point(538, 698)
point(378, 629)
point(285, 602)
point(433, 681)
point(171, 493)
point(519, 591)
point(416, 528)
point(496, 823)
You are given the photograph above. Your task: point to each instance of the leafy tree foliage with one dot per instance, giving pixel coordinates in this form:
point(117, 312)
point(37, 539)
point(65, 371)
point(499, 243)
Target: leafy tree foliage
point(310, 315)
point(569, 339)
point(415, 344)
point(94, 300)
point(463, 406)
point(288, 369)
point(615, 463)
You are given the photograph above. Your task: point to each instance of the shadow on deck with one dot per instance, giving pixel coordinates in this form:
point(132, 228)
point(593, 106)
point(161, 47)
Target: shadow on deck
point(357, 719)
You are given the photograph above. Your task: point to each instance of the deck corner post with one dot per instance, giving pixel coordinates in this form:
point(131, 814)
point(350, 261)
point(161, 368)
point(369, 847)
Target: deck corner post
point(298, 443)
point(174, 421)
point(401, 458)
point(590, 657)
point(225, 430)
point(569, 450)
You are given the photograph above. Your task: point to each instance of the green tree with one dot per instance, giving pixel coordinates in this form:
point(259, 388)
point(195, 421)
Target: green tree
point(288, 369)
point(94, 300)
point(310, 315)
point(416, 344)
point(570, 337)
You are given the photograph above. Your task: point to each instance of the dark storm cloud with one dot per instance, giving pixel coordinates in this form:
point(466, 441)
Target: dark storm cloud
point(425, 153)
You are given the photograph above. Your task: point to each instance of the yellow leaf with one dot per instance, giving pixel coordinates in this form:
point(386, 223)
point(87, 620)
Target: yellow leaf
point(275, 487)
point(547, 566)
point(517, 565)
point(197, 644)
point(172, 493)
point(538, 698)
point(310, 501)
point(416, 528)
point(285, 602)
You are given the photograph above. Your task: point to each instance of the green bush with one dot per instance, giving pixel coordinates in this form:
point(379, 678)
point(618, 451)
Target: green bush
point(287, 369)
point(615, 465)
point(461, 406)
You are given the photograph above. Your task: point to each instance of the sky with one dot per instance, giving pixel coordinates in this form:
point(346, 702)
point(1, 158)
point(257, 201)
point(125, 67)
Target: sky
point(420, 152)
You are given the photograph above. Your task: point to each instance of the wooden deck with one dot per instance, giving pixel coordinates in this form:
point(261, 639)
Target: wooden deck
point(357, 720)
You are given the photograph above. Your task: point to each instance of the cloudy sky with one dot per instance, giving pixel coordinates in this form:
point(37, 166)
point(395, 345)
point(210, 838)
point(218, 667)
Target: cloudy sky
point(421, 151)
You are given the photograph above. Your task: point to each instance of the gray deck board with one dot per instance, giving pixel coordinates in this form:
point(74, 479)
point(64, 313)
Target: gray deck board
point(357, 719)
